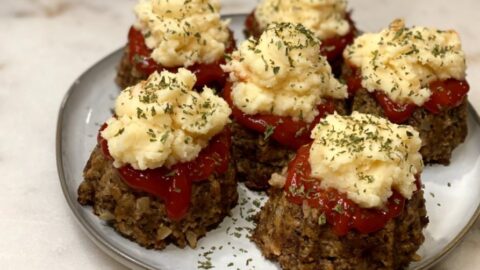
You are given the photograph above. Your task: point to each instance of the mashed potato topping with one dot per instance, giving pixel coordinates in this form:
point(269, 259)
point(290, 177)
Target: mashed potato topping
point(162, 121)
point(325, 18)
point(403, 61)
point(182, 32)
point(282, 74)
point(365, 157)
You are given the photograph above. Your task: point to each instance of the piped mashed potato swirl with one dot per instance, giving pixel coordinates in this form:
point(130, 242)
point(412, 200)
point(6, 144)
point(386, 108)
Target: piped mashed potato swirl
point(325, 18)
point(365, 157)
point(401, 61)
point(282, 73)
point(162, 121)
point(182, 32)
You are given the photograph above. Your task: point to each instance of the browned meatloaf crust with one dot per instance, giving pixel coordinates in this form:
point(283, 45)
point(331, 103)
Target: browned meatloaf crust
point(256, 158)
point(292, 236)
point(142, 218)
point(127, 74)
point(440, 133)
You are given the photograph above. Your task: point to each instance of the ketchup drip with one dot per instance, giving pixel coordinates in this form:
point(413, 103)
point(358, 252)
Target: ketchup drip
point(174, 185)
point(286, 131)
point(206, 74)
point(339, 211)
point(353, 80)
point(446, 94)
point(332, 48)
point(397, 113)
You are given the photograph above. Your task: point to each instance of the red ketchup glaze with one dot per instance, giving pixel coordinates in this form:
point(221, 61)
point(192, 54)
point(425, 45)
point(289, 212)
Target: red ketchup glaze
point(353, 80)
point(206, 73)
point(340, 212)
point(332, 48)
point(397, 113)
point(174, 185)
point(446, 94)
point(288, 132)
point(252, 26)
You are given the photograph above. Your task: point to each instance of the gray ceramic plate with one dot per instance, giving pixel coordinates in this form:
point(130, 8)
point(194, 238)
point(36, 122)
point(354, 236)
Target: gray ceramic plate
point(452, 193)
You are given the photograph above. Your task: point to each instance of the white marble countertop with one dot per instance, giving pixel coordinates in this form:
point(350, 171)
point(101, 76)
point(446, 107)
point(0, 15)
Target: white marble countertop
point(46, 44)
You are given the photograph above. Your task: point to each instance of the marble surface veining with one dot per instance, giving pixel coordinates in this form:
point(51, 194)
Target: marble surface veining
point(45, 45)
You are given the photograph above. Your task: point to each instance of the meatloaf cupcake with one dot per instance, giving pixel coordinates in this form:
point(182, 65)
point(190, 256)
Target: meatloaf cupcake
point(349, 200)
point(328, 20)
point(170, 34)
point(413, 76)
point(279, 88)
point(161, 172)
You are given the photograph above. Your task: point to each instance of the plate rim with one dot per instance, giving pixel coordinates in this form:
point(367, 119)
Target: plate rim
point(92, 234)
point(133, 263)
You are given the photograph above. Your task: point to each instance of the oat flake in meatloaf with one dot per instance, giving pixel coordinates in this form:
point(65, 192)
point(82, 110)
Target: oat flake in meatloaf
point(362, 209)
point(279, 88)
point(413, 76)
point(172, 34)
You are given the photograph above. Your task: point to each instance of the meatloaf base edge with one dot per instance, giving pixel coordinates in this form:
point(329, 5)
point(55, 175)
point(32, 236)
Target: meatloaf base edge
point(440, 133)
point(143, 218)
point(292, 235)
point(127, 74)
point(257, 158)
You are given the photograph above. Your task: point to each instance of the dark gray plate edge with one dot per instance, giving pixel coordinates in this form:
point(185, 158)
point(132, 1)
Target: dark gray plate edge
point(133, 263)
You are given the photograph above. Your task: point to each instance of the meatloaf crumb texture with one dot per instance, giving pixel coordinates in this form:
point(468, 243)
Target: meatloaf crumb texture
point(127, 74)
point(291, 234)
point(256, 158)
point(142, 218)
point(440, 133)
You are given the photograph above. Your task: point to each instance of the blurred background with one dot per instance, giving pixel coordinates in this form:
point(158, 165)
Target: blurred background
point(46, 44)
